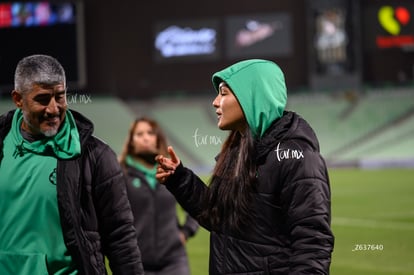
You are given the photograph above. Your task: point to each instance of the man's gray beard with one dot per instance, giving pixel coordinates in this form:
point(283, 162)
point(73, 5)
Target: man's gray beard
point(49, 133)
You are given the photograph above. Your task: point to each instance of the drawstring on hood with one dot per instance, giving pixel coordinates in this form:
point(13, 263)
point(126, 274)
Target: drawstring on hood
point(259, 85)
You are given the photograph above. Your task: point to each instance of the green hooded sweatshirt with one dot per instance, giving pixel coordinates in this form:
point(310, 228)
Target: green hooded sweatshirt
point(31, 235)
point(259, 86)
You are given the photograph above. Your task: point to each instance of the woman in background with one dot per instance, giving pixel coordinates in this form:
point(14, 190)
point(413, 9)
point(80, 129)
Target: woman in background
point(160, 236)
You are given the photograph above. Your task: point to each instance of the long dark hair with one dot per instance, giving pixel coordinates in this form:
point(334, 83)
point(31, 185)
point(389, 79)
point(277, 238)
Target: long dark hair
point(228, 203)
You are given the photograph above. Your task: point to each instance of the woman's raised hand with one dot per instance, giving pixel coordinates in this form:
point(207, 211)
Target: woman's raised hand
point(166, 166)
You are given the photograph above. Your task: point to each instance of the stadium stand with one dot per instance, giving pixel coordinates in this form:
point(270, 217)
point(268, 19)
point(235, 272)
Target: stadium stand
point(348, 128)
point(373, 128)
point(190, 127)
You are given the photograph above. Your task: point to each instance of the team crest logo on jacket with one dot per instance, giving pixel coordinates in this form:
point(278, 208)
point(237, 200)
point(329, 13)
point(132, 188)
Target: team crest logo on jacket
point(52, 177)
point(286, 153)
point(136, 182)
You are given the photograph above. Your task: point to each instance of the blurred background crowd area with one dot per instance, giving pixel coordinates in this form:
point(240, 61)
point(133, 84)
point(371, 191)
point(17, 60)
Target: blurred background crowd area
point(373, 129)
point(349, 67)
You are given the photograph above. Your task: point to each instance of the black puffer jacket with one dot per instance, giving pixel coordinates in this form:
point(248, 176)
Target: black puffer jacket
point(290, 233)
point(156, 222)
point(94, 209)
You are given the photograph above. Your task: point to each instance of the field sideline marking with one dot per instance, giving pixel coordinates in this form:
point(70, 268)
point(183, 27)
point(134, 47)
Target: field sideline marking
point(344, 221)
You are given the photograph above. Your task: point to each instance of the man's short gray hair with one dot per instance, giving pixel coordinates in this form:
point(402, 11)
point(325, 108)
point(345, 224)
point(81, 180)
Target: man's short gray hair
point(38, 69)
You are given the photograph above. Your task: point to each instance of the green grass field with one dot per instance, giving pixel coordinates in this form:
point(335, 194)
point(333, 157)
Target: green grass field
point(371, 209)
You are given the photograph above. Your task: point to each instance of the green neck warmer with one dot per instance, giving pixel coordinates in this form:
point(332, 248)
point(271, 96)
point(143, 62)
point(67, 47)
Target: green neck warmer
point(260, 88)
point(149, 173)
point(64, 145)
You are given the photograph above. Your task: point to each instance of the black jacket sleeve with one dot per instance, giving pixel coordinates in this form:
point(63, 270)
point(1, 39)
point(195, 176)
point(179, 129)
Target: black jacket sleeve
point(189, 191)
point(116, 220)
point(190, 227)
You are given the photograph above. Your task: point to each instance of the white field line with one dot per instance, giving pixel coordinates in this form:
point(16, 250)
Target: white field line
point(368, 223)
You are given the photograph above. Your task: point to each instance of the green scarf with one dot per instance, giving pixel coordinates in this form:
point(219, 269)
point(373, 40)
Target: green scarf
point(148, 173)
point(64, 145)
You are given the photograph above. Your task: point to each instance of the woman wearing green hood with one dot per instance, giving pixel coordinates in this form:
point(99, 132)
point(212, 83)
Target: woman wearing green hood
point(268, 202)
